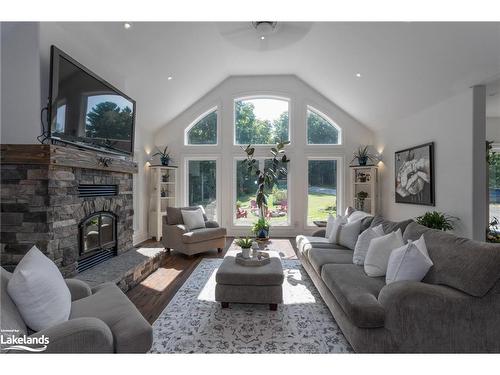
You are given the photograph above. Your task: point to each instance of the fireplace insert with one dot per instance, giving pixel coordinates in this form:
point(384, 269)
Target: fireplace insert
point(97, 239)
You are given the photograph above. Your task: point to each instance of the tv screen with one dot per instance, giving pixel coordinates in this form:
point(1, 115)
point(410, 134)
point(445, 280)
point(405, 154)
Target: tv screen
point(86, 110)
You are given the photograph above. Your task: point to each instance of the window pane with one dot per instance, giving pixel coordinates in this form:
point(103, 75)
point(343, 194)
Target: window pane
point(204, 132)
point(494, 192)
point(322, 189)
point(246, 187)
point(203, 186)
point(320, 130)
point(261, 121)
point(277, 202)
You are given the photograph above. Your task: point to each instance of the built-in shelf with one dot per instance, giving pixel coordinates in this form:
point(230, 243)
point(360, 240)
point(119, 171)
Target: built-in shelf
point(163, 179)
point(370, 173)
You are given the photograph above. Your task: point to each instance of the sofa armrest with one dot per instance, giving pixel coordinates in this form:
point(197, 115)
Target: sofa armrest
point(81, 335)
point(211, 224)
point(434, 318)
point(319, 233)
point(79, 289)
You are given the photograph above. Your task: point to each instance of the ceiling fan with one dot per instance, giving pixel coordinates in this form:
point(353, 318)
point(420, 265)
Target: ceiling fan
point(263, 35)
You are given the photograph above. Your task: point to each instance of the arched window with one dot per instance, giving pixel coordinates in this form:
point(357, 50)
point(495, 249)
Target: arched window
point(260, 121)
point(203, 131)
point(321, 130)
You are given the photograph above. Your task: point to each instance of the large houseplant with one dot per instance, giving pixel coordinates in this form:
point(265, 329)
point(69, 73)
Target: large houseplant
point(437, 220)
point(266, 178)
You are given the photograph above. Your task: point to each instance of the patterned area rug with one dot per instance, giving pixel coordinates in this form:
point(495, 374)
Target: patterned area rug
point(194, 323)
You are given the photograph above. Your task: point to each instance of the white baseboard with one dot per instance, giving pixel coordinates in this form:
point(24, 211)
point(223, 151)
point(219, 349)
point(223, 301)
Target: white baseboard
point(140, 237)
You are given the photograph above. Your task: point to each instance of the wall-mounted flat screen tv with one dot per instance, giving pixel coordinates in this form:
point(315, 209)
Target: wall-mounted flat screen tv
point(87, 111)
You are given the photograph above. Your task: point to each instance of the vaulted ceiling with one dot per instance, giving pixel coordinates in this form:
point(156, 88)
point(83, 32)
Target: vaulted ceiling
point(404, 67)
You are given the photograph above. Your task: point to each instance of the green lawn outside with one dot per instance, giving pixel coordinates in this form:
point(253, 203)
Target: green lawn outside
point(319, 206)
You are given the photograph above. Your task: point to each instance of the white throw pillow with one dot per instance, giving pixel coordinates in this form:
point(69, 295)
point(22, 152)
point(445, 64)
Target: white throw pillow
point(329, 225)
point(39, 291)
point(357, 215)
point(193, 219)
point(379, 252)
point(348, 234)
point(420, 243)
point(407, 263)
point(363, 243)
point(333, 237)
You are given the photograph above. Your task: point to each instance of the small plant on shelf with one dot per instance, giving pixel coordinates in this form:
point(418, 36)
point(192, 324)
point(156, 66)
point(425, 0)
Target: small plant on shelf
point(164, 155)
point(163, 193)
point(437, 220)
point(363, 156)
point(361, 196)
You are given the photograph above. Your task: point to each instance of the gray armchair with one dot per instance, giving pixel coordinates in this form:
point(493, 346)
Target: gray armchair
point(102, 320)
point(177, 236)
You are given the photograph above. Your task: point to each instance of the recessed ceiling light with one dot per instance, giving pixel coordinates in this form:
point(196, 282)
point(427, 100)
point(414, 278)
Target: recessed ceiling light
point(358, 75)
point(170, 78)
point(262, 37)
point(127, 25)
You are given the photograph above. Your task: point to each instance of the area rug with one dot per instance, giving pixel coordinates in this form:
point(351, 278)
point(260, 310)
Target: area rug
point(194, 323)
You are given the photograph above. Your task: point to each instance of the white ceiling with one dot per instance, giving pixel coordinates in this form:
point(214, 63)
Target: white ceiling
point(405, 67)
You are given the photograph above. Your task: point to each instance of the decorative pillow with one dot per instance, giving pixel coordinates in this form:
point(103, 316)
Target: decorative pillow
point(363, 243)
point(357, 215)
point(333, 237)
point(348, 234)
point(193, 219)
point(379, 252)
point(39, 291)
point(348, 211)
point(329, 225)
point(408, 263)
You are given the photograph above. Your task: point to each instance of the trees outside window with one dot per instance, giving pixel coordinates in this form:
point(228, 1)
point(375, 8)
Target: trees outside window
point(204, 131)
point(320, 130)
point(261, 121)
point(322, 189)
point(202, 185)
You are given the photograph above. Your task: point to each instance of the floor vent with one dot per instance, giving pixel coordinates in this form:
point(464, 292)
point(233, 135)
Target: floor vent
point(97, 190)
point(95, 259)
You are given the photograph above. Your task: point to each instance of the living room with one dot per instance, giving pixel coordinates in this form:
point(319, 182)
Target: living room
point(305, 186)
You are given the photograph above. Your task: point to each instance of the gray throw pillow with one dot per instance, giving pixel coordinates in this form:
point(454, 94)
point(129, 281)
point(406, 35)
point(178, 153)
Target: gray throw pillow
point(193, 219)
point(348, 234)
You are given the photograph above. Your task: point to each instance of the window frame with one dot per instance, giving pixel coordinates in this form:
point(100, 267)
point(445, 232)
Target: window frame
point(260, 159)
point(261, 96)
point(204, 114)
point(330, 120)
point(185, 190)
point(340, 185)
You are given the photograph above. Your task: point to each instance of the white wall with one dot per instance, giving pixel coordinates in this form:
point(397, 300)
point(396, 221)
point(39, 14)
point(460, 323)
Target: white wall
point(493, 129)
point(21, 107)
point(25, 89)
point(301, 95)
point(450, 125)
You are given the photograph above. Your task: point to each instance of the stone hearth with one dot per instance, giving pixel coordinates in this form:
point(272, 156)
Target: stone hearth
point(40, 205)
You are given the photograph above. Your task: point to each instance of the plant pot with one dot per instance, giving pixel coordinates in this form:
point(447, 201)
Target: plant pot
point(245, 252)
point(164, 160)
point(263, 233)
point(363, 160)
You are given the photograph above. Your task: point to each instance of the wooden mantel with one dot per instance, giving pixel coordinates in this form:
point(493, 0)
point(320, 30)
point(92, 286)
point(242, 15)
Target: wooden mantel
point(66, 156)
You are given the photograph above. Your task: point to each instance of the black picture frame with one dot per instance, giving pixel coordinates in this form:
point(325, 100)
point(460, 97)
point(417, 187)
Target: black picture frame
point(414, 175)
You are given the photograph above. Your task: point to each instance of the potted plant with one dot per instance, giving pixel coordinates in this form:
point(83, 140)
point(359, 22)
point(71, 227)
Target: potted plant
point(163, 193)
point(363, 155)
point(261, 228)
point(437, 220)
point(266, 178)
point(246, 245)
point(164, 155)
point(361, 196)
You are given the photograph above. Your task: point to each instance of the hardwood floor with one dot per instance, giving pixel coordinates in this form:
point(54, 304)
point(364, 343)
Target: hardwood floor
point(153, 294)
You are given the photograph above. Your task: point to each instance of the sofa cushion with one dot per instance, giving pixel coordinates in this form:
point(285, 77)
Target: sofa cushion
point(10, 317)
point(470, 266)
point(131, 332)
point(356, 293)
point(174, 214)
point(203, 234)
point(306, 243)
point(390, 226)
point(320, 257)
point(39, 291)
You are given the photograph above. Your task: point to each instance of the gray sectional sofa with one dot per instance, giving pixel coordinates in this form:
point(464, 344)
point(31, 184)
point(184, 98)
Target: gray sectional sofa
point(456, 308)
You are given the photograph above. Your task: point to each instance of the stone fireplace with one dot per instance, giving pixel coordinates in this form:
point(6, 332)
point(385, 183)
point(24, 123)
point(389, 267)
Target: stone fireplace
point(75, 205)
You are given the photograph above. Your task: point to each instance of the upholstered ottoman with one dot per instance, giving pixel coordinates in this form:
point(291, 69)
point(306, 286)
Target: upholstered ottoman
point(243, 284)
